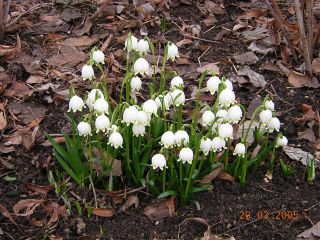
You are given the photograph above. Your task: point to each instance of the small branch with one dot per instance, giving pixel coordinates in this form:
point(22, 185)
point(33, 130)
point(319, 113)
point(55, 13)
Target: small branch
point(303, 37)
point(310, 25)
point(277, 11)
point(6, 12)
point(2, 26)
point(94, 193)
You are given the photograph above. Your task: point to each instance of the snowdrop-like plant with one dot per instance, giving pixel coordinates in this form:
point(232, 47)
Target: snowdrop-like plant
point(87, 72)
point(76, 104)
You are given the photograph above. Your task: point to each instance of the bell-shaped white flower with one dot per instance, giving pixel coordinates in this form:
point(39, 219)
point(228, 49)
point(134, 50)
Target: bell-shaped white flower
point(240, 150)
point(234, 114)
point(150, 107)
point(160, 100)
point(141, 66)
point(229, 84)
point(130, 115)
point(138, 129)
point(115, 140)
point(225, 131)
point(222, 115)
point(144, 118)
point(143, 46)
point(76, 104)
point(282, 141)
point(87, 72)
point(84, 129)
point(135, 84)
point(213, 84)
point(226, 97)
point(273, 124)
point(181, 138)
point(172, 52)
point(207, 118)
point(102, 123)
point(176, 82)
point(101, 106)
point(178, 97)
point(269, 104)
point(168, 139)
point(205, 145)
point(98, 56)
point(265, 116)
point(217, 144)
point(158, 161)
point(133, 45)
point(186, 155)
point(93, 95)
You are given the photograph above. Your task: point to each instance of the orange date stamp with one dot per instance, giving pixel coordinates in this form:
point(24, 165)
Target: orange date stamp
point(289, 215)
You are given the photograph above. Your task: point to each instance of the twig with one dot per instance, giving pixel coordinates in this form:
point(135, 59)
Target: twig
point(6, 12)
point(304, 40)
point(310, 25)
point(94, 193)
point(2, 25)
point(203, 55)
point(277, 10)
point(201, 39)
point(317, 37)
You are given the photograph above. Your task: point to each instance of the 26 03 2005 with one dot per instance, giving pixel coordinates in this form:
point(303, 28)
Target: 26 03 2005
point(266, 215)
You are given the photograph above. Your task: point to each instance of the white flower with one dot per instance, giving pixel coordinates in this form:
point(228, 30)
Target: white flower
point(135, 84)
point(240, 150)
point(269, 104)
point(144, 118)
point(168, 139)
point(213, 84)
point(186, 155)
point(87, 72)
point(181, 138)
point(205, 145)
point(130, 115)
point(162, 99)
point(158, 161)
point(84, 129)
point(282, 141)
point(138, 129)
point(207, 118)
point(229, 84)
point(225, 131)
point(93, 96)
point(150, 107)
point(217, 144)
point(134, 44)
point(98, 56)
point(76, 104)
point(176, 82)
point(178, 97)
point(234, 114)
point(143, 46)
point(115, 140)
point(273, 124)
point(141, 66)
point(102, 123)
point(172, 52)
point(226, 97)
point(222, 114)
point(101, 106)
point(265, 116)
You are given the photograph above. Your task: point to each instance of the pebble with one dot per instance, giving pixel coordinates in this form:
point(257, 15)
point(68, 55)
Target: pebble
point(156, 223)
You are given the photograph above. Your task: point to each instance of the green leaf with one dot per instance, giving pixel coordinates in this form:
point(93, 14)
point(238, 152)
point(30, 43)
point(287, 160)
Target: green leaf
point(202, 188)
point(197, 204)
point(9, 179)
point(167, 194)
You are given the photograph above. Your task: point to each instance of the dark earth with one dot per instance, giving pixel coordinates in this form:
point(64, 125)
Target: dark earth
point(225, 208)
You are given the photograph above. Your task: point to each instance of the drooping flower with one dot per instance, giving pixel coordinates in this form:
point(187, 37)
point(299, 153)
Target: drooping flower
point(168, 139)
point(144, 118)
point(172, 52)
point(150, 107)
point(87, 72)
point(141, 66)
point(222, 114)
point(138, 129)
point(113, 128)
point(181, 138)
point(76, 104)
point(265, 116)
point(282, 141)
point(130, 115)
point(134, 44)
point(240, 150)
point(115, 140)
point(213, 84)
point(273, 124)
point(207, 118)
point(93, 95)
point(98, 56)
point(186, 155)
point(229, 84)
point(101, 106)
point(178, 97)
point(158, 161)
point(176, 82)
point(102, 123)
point(217, 144)
point(225, 131)
point(269, 104)
point(135, 84)
point(84, 129)
point(205, 145)
point(234, 114)
point(227, 97)
point(143, 46)
point(160, 100)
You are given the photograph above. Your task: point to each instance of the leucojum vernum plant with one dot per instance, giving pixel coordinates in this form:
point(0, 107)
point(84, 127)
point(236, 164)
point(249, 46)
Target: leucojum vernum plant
point(159, 147)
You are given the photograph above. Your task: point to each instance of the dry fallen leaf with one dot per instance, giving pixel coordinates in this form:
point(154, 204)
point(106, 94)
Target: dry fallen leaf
point(28, 204)
point(211, 68)
point(255, 78)
point(39, 188)
point(316, 65)
point(59, 140)
point(211, 176)
point(298, 154)
point(6, 213)
point(160, 209)
point(308, 135)
point(8, 52)
point(302, 80)
point(312, 233)
point(102, 212)
point(132, 200)
point(69, 56)
point(246, 58)
point(226, 176)
point(3, 121)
